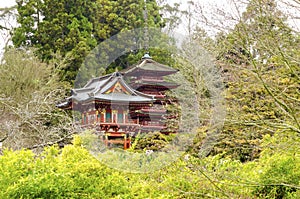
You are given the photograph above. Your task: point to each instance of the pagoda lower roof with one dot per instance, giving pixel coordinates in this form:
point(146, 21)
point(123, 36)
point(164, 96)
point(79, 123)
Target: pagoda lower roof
point(108, 88)
point(112, 97)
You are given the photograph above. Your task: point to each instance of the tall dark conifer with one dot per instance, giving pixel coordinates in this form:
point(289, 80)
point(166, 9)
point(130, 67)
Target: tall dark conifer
point(74, 27)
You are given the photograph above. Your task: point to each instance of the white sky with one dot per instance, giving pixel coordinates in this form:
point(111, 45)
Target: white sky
point(7, 3)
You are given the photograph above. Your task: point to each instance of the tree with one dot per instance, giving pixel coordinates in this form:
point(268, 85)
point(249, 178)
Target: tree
point(262, 83)
point(28, 96)
point(7, 18)
point(56, 27)
point(73, 28)
point(258, 59)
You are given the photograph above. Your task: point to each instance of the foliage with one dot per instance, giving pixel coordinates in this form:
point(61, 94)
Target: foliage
point(255, 156)
point(73, 28)
point(29, 93)
point(279, 176)
point(257, 60)
point(154, 141)
point(7, 16)
point(73, 173)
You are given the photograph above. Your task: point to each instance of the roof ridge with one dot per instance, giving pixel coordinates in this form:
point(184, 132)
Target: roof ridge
point(108, 80)
point(95, 78)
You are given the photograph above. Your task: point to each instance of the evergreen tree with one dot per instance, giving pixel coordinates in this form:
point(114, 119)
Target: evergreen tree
point(262, 79)
point(74, 27)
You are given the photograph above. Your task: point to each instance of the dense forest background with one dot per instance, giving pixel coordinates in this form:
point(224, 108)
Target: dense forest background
point(256, 153)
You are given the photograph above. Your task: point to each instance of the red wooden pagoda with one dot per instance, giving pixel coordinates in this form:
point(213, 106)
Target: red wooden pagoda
point(118, 109)
point(147, 76)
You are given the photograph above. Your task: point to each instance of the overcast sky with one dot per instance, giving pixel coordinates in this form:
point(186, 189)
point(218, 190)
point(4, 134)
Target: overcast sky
point(7, 3)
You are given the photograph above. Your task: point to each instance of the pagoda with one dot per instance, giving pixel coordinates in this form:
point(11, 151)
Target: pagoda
point(148, 76)
point(104, 103)
point(119, 109)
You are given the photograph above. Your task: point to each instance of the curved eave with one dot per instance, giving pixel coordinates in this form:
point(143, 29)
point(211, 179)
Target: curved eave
point(65, 105)
point(143, 72)
point(116, 100)
point(151, 111)
point(165, 84)
point(96, 80)
point(142, 86)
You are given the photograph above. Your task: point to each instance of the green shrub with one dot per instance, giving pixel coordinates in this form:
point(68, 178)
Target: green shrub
point(71, 173)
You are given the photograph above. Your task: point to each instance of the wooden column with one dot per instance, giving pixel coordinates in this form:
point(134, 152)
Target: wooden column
point(103, 112)
point(97, 120)
point(125, 116)
point(82, 118)
point(114, 116)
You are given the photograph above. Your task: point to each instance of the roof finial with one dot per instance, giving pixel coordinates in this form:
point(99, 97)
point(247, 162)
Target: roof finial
point(146, 31)
point(146, 56)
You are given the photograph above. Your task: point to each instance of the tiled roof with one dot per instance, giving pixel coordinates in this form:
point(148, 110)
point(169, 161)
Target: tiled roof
point(103, 88)
point(149, 64)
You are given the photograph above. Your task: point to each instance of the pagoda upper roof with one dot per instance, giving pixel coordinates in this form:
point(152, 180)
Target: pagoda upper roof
point(110, 87)
point(148, 65)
